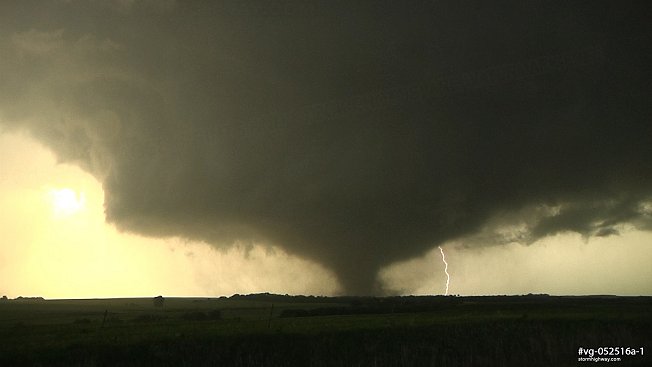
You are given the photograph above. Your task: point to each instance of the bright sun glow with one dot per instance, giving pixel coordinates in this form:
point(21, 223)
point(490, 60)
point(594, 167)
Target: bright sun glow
point(66, 201)
point(55, 243)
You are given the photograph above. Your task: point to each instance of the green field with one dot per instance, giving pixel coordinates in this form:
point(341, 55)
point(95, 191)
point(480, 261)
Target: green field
point(270, 330)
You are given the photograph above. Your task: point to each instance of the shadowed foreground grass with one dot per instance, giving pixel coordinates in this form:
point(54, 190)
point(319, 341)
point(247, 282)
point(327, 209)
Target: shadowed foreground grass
point(249, 331)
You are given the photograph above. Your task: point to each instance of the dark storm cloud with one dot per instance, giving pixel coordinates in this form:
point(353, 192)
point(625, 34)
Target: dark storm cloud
point(353, 135)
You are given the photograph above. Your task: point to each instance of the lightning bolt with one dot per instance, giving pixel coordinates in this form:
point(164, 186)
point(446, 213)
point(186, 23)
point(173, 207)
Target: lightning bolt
point(448, 277)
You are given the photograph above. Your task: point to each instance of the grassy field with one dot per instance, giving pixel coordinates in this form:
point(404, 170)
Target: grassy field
point(270, 330)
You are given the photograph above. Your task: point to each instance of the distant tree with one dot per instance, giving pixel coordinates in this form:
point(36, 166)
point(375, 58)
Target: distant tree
point(158, 301)
point(4, 298)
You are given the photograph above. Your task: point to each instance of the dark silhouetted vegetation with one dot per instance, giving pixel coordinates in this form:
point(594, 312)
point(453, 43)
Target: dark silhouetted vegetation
point(158, 301)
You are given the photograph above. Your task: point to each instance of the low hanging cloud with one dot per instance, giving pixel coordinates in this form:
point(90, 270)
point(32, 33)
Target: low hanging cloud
point(352, 135)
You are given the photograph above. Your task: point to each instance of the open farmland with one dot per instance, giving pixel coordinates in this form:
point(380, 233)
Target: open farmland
point(272, 330)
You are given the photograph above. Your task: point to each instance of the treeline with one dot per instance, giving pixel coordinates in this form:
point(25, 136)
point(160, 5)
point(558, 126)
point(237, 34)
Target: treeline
point(21, 298)
point(353, 300)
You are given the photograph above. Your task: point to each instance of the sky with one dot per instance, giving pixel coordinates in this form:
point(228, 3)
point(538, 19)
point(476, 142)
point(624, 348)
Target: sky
point(213, 148)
